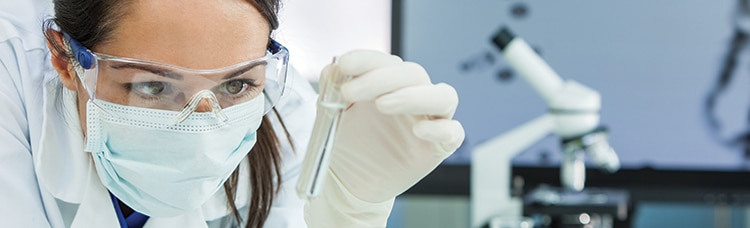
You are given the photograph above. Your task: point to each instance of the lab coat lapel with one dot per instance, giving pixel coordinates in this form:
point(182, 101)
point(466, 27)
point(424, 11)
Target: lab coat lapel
point(61, 165)
point(96, 209)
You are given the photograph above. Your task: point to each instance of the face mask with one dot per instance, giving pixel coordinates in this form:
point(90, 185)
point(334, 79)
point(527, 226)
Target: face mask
point(160, 168)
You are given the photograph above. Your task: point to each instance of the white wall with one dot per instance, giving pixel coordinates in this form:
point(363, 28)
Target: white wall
point(316, 31)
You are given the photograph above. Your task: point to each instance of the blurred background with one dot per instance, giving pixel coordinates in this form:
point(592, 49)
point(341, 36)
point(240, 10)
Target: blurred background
point(673, 77)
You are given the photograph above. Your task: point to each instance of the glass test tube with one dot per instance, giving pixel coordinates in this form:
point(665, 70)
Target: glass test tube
point(330, 106)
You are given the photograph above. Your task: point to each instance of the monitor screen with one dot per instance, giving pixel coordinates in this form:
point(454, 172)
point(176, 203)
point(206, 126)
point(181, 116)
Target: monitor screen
point(673, 75)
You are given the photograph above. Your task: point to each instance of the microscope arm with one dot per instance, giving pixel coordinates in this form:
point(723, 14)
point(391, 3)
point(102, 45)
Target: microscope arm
point(491, 170)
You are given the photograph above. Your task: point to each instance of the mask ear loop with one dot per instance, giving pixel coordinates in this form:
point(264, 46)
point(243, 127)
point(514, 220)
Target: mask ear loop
point(191, 106)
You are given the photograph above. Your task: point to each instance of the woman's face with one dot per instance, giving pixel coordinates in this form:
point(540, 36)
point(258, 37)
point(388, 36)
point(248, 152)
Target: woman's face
point(194, 34)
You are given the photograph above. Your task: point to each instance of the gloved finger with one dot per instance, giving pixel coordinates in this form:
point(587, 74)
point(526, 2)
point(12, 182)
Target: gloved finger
point(438, 100)
point(449, 134)
point(360, 61)
point(379, 81)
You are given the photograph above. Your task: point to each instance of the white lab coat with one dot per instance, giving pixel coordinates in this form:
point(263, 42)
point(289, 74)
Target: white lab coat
point(47, 180)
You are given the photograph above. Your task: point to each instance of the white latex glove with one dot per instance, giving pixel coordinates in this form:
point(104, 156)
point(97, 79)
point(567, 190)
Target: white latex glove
point(397, 130)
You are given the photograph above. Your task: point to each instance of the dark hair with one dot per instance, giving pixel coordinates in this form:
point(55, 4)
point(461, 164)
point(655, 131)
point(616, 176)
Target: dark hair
point(91, 22)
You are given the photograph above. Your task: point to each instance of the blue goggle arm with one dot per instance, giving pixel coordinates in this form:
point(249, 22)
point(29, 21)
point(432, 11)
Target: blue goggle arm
point(274, 46)
point(82, 54)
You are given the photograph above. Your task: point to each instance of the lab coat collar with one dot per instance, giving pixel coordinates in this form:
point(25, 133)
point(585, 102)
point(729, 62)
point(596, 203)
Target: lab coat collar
point(65, 170)
point(61, 165)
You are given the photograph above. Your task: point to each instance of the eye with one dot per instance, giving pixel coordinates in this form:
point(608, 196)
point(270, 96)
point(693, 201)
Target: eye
point(235, 86)
point(149, 88)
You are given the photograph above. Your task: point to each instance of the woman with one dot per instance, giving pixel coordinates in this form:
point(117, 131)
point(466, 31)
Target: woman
point(181, 114)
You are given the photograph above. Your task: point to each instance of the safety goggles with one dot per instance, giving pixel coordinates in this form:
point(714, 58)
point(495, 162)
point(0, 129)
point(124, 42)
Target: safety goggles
point(153, 85)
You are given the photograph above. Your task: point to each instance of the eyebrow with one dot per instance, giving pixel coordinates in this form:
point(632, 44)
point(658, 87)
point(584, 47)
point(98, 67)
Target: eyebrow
point(154, 70)
point(243, 70)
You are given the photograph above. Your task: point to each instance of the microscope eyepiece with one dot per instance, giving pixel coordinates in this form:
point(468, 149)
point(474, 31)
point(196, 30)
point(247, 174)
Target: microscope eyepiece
point(503, 38)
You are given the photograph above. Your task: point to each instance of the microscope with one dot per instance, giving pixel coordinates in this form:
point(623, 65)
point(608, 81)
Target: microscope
point(573, 115)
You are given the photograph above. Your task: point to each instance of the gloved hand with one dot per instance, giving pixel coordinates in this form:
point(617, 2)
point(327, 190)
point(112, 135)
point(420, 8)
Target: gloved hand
point(397, 130)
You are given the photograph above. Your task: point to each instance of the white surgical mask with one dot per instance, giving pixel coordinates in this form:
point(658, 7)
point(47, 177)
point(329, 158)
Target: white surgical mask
point(161, 168)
